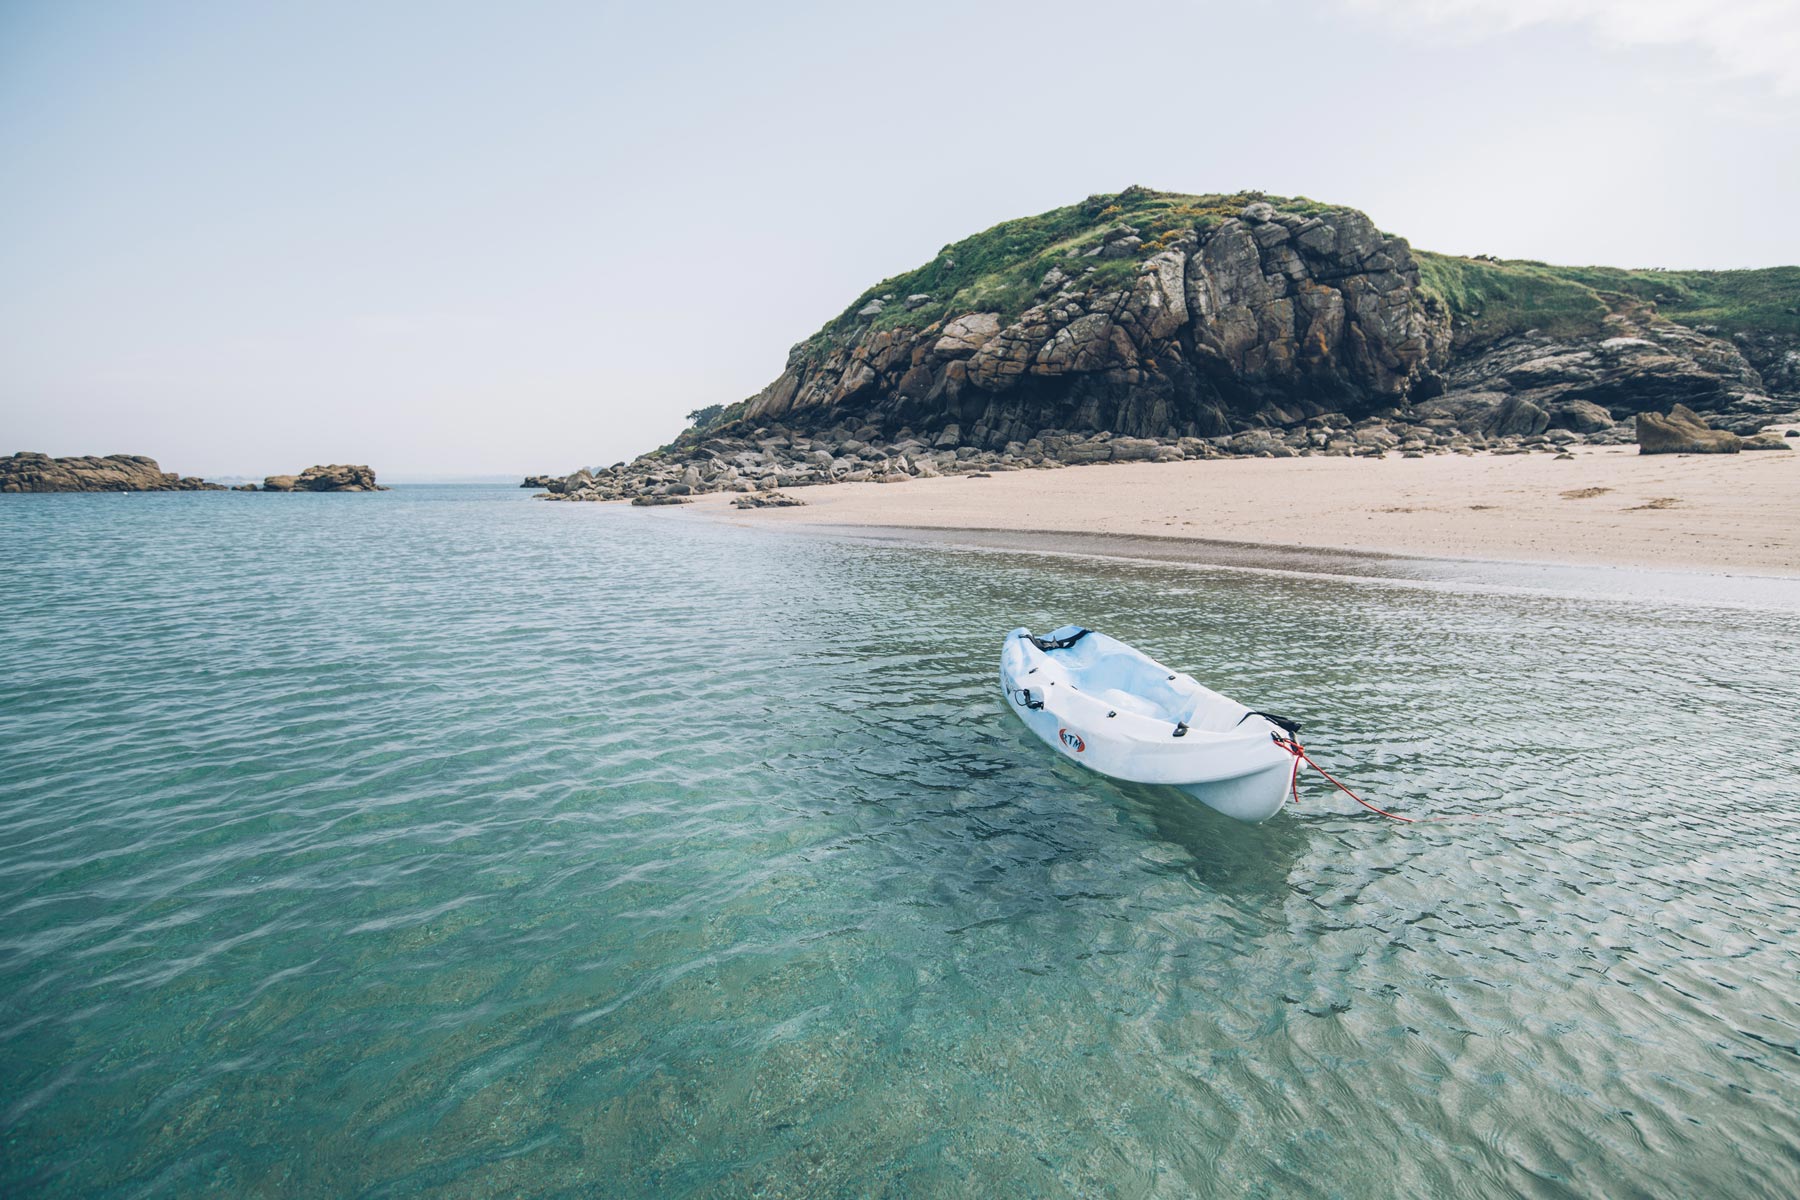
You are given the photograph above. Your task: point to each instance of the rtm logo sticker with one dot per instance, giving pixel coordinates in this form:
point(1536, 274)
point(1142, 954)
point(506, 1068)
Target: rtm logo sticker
point(1072, 740)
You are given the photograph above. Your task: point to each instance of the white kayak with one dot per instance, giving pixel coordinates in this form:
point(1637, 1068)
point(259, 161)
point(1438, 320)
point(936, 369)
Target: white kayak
point(1116, 710)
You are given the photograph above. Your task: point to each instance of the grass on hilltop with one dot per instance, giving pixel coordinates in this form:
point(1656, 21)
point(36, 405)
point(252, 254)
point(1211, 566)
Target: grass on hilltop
point(1492, 298)
point(999, 269)
point(1752, 301)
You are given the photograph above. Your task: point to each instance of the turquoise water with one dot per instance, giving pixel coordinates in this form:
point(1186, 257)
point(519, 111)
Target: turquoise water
point(440, 842)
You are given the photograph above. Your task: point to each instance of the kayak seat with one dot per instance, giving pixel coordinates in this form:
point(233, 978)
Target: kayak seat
point(1129, 682)
point(1127, 702)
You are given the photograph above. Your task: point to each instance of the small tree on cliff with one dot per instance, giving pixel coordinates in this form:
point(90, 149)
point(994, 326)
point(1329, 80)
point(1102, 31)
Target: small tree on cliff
point(705, 418)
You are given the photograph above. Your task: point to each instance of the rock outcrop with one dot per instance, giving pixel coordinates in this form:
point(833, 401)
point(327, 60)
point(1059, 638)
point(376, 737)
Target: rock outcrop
point(1264, 318)
point(1683, 431)
point(1148, 326)
point(29, 472)
point(1632, 364)
point(338, 477)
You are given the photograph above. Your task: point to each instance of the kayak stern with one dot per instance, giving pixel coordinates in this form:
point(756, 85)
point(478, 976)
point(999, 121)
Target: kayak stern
point(1253, 798)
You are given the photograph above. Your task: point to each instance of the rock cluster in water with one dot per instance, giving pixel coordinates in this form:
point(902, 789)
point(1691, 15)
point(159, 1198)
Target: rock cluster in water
point(30, 472)
point(338, 477)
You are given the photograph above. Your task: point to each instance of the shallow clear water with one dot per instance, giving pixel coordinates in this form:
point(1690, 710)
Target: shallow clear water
point(444, 842)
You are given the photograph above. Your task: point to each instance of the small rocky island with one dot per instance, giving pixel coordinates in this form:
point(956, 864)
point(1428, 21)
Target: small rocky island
point(338, 477)
point(30, 472)
point(27, 471)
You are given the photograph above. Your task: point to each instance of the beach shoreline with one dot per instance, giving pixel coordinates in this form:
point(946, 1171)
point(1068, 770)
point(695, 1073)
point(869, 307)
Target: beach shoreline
point(1604, 507)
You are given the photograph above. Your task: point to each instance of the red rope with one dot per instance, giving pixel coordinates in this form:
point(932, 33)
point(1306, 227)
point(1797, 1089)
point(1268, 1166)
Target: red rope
point(1293, 746)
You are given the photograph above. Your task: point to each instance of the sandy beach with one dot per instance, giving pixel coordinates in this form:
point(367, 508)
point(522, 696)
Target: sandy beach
point(1610, 506)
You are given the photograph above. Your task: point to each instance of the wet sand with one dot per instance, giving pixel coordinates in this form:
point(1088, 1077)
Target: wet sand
point(1606, 507)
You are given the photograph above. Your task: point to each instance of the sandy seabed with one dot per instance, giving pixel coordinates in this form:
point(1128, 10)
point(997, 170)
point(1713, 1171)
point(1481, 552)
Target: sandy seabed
point(1607, 506)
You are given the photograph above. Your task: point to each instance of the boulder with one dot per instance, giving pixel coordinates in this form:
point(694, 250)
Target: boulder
point(1261, 443)
point(1579, 416)
point(766, 500)
point(967, 334)
point(1127, 449)
point(1683, 431)
point(1768, 441)
point(1515, 417)
point(1086, 452)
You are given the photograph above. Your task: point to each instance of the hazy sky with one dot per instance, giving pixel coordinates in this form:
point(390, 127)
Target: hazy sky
point(455, 238)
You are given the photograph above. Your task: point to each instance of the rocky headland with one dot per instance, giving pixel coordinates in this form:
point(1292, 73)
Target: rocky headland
point(30, 472)
point(1150, 326)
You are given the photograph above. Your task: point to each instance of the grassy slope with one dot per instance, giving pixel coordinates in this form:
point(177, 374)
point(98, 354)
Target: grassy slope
point(1761, 301)
point(998, 269)
point(1494, 298)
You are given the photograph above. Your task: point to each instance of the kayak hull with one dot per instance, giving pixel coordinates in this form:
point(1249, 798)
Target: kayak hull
point(1252, 798)
point(1122, 714)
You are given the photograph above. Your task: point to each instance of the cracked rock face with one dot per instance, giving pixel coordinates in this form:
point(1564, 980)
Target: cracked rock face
point(1637, 365)
point(1266, 318)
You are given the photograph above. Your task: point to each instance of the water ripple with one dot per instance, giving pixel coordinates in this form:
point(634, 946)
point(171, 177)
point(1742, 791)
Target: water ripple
point(442, 842)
